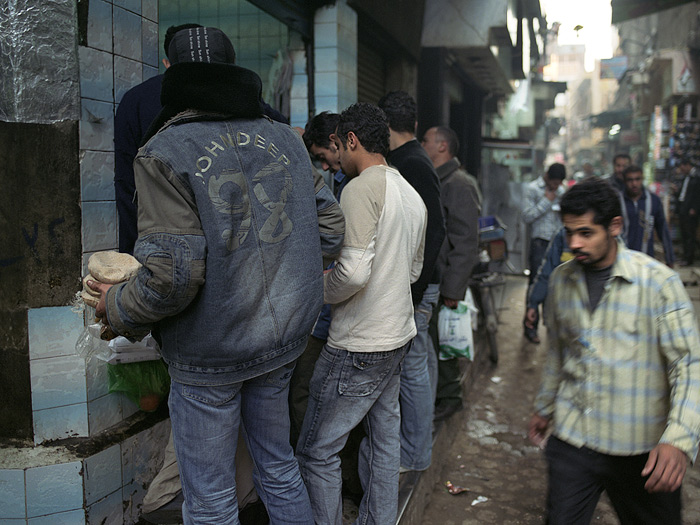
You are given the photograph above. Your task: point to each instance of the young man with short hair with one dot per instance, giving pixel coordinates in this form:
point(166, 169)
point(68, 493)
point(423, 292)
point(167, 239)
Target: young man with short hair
point(621, 381)
point(356, 378)
point(643, 215)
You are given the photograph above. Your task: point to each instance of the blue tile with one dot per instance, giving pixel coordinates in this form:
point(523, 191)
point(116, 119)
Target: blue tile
point(326, 59)
point(60, 423)
point(12, 498)
point(299, 61)
point(107, 510)
point(97, 376)
point(127, 33)
point(104, 412)
point(97, 176)
point(100, 25)
point(97, 125)
point(149, 43)
point(149, 72)
point(95, 74)
point(99, 226)
point(73, 517)
point(149, 9)
point(103, 474)
point(131, 5)
point(57, 381)
point(326, 84)
point(132, 498)
point(142, 454)
point(325, 35)
point(127, 74)
point(53, 331)
point(300, 87)
point(54, 488)
point(329, 103)
point(11, 521)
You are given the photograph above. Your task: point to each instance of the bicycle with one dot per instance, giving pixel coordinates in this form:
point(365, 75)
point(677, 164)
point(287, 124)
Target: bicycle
point(485, 280)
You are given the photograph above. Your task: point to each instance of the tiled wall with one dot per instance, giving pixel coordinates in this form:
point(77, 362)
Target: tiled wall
point(335, 57)
point(105, 488)
point(69, 394)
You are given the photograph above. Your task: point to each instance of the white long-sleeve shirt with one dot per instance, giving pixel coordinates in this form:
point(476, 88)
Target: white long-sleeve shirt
point(370, 285)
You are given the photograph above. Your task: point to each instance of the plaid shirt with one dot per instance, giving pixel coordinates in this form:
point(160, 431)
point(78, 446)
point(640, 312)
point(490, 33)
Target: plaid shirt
point(625, 377)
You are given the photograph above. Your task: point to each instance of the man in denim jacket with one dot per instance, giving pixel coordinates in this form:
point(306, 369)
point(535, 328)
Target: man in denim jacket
point(232, 276)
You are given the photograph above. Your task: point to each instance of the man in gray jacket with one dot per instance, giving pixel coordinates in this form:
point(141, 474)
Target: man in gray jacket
point(231, 282)
point(461, 204)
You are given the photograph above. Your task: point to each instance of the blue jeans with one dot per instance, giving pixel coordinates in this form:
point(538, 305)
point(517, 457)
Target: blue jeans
point(418, 383)
point(205, 421)
point(348, 388)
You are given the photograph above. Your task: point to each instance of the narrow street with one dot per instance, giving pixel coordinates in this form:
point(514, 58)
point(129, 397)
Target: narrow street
point(490, 454)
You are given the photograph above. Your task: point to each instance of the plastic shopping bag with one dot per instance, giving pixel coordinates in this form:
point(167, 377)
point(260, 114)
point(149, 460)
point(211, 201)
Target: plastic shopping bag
point(146, 383)
point(455, 335)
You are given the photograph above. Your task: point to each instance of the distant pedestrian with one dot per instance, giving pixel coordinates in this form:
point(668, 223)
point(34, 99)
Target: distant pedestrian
point(688, 209)
point(621, 382)
point(620, 163)
point(540, 211)
point(643, 216)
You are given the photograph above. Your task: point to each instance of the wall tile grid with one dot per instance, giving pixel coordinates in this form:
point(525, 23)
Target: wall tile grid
point(107, 487)
point(335, 60)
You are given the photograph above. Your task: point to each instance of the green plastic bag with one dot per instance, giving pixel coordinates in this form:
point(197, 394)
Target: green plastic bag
point(146, 383)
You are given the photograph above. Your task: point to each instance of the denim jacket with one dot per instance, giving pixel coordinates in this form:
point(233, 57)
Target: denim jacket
point(231, 281)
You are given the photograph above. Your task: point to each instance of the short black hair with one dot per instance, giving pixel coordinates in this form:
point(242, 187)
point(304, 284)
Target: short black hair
point(400, 109)
point(632, 168)
point(170, 33)
point(593, 194)
point(449, 136)
point(319, 128)
point(557, 171)
point(622, 156)
point(369, 123)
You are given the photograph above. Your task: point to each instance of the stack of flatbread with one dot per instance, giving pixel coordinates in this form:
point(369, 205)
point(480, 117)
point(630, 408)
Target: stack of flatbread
point(108, 268)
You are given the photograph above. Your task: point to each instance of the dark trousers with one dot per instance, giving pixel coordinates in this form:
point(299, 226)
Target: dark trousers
point(538, 249)
point(449, 386)
point(688, 225)
point(578, 476)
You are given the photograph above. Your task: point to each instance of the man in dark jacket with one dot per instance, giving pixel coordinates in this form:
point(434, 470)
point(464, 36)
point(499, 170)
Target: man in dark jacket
point(226, 194)
point(407, 155)
point(688, 209)
point(136, 111)
point(461, 205)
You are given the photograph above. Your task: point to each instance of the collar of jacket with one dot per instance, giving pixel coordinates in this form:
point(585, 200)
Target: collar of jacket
point(448, 167)
point(622, 267)
point(224, 89)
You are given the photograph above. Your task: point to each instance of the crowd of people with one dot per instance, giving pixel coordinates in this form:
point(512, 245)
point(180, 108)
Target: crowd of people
point(297, 320)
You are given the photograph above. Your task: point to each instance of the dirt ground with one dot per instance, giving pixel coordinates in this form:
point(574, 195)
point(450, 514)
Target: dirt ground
point(505, 475)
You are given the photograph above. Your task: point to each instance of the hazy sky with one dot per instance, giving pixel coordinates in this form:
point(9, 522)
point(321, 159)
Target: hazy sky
point(593, 15)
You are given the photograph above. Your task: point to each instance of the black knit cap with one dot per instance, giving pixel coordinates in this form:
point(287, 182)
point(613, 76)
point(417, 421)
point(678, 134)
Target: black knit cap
point(207, 45)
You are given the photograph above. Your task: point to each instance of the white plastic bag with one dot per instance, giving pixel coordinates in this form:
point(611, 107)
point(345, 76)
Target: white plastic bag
point(455, 335)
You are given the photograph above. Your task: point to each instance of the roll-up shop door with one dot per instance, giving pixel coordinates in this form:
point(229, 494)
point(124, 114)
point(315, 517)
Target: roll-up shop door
point(370, 74)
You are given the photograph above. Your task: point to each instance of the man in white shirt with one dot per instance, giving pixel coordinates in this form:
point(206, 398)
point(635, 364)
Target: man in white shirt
point(356, 378)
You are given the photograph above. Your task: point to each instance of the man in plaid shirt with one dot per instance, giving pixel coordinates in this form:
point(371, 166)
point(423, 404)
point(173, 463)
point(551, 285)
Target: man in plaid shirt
point(620, 390)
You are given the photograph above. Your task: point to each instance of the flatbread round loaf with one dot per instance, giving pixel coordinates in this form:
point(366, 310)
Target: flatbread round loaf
point(112, 267)
point(89, 300)
point(87, 289)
